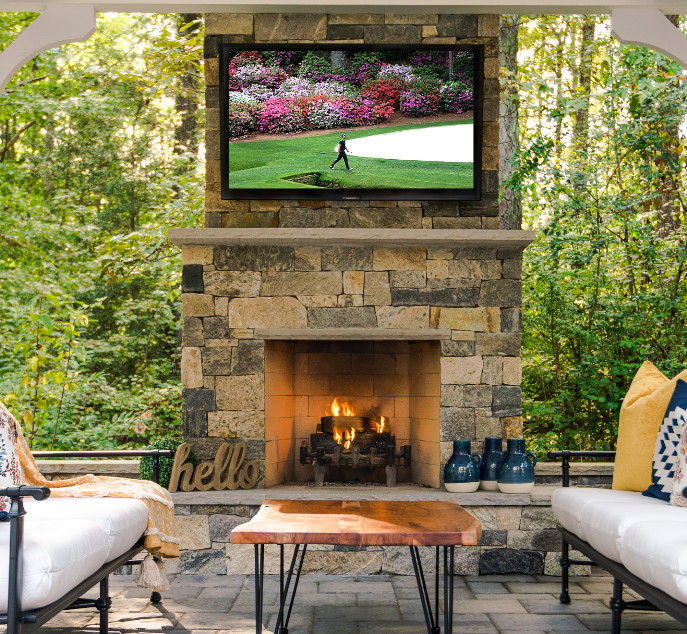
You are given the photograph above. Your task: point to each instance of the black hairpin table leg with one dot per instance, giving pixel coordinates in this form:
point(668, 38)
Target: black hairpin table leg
point(449, 559)
point(259, 580)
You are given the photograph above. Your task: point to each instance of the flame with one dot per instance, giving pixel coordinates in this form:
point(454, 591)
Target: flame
point(340, 409)
point(380, 425)
point(349, 438)
point(346, 435)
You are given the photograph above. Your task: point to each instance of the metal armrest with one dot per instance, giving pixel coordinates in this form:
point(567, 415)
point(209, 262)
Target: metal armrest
point(22, 491)
point(566, 455)
point(155, 454)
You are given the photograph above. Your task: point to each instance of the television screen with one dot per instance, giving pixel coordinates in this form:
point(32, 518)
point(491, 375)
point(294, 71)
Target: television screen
point(351, 122)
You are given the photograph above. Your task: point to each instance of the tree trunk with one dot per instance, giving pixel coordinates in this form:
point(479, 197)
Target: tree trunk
point(186, 134)
point(581, 124)
point(510, 209)
point(667, 219)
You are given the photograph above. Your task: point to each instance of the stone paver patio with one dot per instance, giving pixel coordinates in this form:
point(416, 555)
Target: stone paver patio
point(371, 604)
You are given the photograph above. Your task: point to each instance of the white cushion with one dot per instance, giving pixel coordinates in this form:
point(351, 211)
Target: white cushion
point(656, 551)
point(123, 519)
point(569, 502)
point(601, 516)
point(58, 555)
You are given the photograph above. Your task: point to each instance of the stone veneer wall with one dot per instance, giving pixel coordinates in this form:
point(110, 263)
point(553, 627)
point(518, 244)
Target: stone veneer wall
point(515, 539)
point(473, 295)
point(353, 29)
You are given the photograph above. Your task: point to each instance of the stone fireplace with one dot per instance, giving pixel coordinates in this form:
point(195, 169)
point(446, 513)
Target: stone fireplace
point(420, 326)
point(405, 309)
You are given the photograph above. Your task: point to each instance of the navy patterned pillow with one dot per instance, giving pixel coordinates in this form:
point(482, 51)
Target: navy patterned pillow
point(667, 442)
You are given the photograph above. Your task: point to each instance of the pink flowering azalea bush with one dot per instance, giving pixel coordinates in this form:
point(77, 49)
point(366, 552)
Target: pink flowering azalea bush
point(281, 116)
point(455, 98)
point(419, 103)
point(285, 92)
point(328, 114)
point(242, 119)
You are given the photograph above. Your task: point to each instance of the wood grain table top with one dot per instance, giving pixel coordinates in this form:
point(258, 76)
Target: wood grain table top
point(363, 523)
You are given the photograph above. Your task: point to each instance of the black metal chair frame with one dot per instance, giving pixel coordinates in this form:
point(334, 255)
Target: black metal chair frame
point(19, 621)
point(284, 614)
point(655, 600)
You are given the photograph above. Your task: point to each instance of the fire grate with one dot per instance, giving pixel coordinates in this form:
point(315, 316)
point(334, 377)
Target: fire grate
point(360, 442)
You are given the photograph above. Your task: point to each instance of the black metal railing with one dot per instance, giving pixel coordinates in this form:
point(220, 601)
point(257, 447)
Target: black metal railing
point(566, 455)
point(155, 454)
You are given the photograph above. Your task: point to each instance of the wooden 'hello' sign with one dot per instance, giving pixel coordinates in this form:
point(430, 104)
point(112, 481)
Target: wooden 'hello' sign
point(227, 471)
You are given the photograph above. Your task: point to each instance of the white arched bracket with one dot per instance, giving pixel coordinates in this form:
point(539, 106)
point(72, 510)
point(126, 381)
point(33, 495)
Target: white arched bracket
point(52, 28)
point(650, 28)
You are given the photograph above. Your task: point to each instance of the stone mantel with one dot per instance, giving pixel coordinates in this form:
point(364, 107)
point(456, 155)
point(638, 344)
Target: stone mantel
point(423, 238)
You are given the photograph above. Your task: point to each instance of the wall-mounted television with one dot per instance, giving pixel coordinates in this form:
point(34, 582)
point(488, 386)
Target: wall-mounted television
point(351, 122)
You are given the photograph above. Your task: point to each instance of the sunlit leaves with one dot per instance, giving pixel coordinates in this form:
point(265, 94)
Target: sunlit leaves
point(604, 282)
point(90, 284)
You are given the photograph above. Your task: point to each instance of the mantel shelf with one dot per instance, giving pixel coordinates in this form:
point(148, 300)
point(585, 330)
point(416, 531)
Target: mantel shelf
point(423, 238)
point(352, 334)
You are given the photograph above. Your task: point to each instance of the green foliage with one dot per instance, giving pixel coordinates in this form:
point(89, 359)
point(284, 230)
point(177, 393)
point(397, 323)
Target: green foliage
point(602, 176)
point(146, 464)
point(314, 63)
point(91, 176)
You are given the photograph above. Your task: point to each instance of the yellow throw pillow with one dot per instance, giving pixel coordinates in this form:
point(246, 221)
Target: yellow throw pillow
point(641, 416)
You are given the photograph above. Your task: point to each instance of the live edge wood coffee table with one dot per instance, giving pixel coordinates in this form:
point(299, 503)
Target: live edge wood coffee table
point(370, 523)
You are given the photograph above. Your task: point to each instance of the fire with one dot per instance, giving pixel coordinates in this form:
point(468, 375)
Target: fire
point(380, 425)
point(349, 438)
point(340, 409)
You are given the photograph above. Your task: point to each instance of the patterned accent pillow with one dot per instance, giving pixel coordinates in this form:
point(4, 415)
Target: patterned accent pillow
point(667, 443)
point(10, 468)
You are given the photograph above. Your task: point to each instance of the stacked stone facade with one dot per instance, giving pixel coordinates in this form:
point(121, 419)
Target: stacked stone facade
point(466, 299)
point(515, 539)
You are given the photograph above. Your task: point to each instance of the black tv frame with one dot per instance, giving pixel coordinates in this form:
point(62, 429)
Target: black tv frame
point(227, 51)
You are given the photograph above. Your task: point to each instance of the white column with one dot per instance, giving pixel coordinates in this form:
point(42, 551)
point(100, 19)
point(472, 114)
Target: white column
point(650, 28)
point(52, 28)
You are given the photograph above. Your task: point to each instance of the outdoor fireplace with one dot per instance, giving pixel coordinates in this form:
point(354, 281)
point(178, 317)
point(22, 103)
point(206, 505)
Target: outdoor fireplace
point(351, 444)
point(418, 331)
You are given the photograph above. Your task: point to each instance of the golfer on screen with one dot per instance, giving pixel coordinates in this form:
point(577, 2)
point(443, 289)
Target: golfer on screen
point(342, 153)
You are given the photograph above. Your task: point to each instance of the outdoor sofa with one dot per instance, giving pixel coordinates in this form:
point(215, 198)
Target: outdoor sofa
point(53, 551)
point(641, 541)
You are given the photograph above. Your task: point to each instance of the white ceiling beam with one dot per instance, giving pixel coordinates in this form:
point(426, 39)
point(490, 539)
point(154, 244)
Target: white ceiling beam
point(57, 25)
point(652, 29)
point(354, 6)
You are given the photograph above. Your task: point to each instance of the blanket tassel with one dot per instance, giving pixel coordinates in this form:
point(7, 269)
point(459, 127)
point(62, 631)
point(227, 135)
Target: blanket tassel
point(153, 575)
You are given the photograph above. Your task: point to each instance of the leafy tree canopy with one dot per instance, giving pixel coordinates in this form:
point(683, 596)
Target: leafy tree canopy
point(91, 175)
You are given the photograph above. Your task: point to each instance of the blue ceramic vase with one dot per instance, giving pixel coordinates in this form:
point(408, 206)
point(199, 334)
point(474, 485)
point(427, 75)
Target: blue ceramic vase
point(516, 473)
point(461, 473)
point(491, 461)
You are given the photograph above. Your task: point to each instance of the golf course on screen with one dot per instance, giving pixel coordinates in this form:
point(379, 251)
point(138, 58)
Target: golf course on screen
point(303, 162)
point(356, 119)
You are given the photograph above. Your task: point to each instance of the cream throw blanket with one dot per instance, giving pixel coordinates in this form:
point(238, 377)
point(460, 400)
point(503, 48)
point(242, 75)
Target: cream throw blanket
point(160, 537)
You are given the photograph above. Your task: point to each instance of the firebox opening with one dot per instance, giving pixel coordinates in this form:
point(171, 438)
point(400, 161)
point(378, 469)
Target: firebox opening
point(366, 406)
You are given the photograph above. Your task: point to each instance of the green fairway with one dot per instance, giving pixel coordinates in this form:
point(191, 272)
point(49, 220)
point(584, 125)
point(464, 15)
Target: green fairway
point(271, 165)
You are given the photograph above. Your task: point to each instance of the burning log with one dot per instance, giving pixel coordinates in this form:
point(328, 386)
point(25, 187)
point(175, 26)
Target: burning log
point(345, 439)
